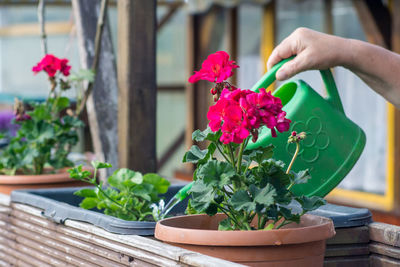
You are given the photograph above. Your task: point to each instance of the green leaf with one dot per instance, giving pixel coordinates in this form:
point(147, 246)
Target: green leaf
point(216, 173)
point(301, 177)
point(196, 155)
point(269, 227)
point(40, 112)
point(100, 165)
point(160, 184)
point(310, 203)
point(207, 134)
point(119, 176)
point(225, 225)
point(86, 192)
point(62, 103)
point(265, 196)
point(202, 196)
point(241, 200)
point(212, 209)
point(88, 203)
point(260, 154)
point(82, 75)
point(78, 173)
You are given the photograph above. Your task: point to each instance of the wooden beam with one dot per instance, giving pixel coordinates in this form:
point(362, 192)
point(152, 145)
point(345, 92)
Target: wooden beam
point(170, 13)
point(33, 29)
point(137, 84)
point(328, 17)
point(371, 30)
point(102, 103)
point(232, 36)
point(205, 33)
point(268, 35)
point(396, 157)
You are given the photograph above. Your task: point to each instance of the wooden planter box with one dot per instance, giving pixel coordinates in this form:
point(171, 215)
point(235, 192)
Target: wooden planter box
point(27, 238)
point(34, 240)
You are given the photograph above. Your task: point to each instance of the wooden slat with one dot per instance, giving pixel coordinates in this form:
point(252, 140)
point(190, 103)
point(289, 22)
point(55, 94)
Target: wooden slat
point(347, 250)
point(385, 250)
point(4, 200)
point(385, 233)
point(8, 259)
point(350, 235)
point(65, 249)
point(347, 262)
point(137, 84)
point(140, 248)
point(102, 104)
point(383, 261)
point(24, 221)
point(52, 255)
point(20, 253)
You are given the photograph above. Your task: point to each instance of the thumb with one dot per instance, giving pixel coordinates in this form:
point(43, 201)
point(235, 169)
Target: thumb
point(291, 68)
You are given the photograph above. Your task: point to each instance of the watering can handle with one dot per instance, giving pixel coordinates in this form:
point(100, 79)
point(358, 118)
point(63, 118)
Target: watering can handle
point(330, 85)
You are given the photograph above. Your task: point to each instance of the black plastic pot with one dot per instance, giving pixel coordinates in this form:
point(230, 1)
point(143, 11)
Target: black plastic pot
point(60, 204)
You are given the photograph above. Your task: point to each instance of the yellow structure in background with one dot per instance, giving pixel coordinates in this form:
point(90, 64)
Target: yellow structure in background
point(370, 200)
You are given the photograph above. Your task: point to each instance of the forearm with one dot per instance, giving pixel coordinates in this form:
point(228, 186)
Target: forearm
point(376, 66)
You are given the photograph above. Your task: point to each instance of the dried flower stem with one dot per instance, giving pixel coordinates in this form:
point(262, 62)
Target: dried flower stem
point(41, 18)
point(294, 157)
point(97, 48)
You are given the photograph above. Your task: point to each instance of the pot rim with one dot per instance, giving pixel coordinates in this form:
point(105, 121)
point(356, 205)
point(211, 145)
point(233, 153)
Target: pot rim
point(61, 176)
point(318, 228)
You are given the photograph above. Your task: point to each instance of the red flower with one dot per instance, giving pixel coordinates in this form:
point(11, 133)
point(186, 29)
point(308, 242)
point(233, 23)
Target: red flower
point(51, 65)
point(241, 112)
point(216, 68)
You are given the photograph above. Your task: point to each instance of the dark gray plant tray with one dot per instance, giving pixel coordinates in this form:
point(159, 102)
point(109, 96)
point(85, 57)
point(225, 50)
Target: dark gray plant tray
point(341, 216)
point(60, 204)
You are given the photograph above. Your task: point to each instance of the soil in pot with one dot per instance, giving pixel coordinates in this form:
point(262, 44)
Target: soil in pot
point(293, 245)
point(61, 178)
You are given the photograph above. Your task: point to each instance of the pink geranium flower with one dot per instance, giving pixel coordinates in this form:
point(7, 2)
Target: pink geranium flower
point(216, 68)
point(51, 64)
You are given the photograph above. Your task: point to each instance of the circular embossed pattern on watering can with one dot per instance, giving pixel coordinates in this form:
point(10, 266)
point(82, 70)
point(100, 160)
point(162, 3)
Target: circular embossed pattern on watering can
point(316, 140)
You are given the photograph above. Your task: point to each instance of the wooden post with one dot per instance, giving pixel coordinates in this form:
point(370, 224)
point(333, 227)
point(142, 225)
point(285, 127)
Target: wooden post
point(137, 84)
point(102, 103)
point(205, 33)
point(396, 113)
point(268, 32)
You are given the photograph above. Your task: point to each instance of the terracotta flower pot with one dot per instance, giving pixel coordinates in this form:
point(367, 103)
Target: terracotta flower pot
point(294, 245)
point(9, 183)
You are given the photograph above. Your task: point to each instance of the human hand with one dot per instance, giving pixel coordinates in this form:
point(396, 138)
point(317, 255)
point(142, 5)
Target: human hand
point(313, 50)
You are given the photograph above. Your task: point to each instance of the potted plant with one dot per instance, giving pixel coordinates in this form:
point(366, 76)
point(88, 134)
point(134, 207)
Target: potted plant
point(38, 153)
point(244, 196)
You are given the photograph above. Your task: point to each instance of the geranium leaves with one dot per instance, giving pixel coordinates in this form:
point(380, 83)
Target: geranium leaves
point(216, 173)
point(242, 200)
point(129, 196)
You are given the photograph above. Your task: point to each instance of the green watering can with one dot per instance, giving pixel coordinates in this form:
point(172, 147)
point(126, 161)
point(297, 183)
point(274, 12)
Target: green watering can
point(333, 143)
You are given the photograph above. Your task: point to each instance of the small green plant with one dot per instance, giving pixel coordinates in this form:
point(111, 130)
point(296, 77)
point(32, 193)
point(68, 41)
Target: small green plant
point(129, 196)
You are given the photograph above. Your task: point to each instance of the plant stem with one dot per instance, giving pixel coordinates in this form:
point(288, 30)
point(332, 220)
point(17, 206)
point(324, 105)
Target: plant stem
point(231, 155)
point(294, 157)
point(220, 151)
point(107, 196)
point(239, 162)
point(285, 222)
